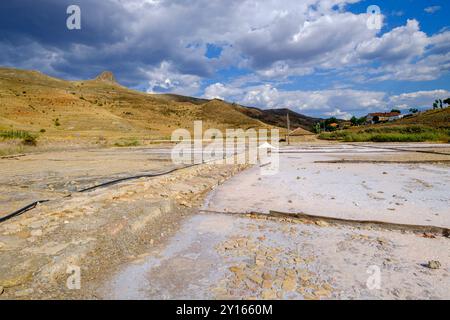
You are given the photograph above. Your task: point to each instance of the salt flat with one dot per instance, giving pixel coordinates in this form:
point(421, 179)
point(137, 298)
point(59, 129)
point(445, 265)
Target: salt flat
point(407, 193)
point(217, 255)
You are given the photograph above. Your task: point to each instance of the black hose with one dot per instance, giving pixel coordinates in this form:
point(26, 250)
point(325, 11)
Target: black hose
point(102, 185)
point(22, 210)
point(113, 182)
point(106, 184)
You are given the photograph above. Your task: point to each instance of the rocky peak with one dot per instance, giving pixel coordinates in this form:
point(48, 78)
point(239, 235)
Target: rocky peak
point(106, 76)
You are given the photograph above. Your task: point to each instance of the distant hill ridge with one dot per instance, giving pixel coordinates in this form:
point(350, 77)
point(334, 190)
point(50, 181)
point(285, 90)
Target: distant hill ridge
point(101, 108)
point(278, 117)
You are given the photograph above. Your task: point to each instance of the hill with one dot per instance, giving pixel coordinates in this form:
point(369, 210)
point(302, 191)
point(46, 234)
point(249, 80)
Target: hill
point(103, 109)
point(432, 125)
point(435, 118)
point(180, 98)
point(277, 117)
point(274, 117)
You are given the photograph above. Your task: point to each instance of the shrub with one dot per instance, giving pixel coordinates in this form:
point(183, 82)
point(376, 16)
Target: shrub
point(30, 141)
point(390, 134)
point(26, 137)
point(14, 134)
point(127, 143)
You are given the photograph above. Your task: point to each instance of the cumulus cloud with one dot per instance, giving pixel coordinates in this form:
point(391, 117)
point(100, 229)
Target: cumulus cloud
point(274, 40)
point(418, 99)
point(339, 114)
point(319, 102)
point(400, 44)
point(325, 41)
point(165, 78)
point(342, 103)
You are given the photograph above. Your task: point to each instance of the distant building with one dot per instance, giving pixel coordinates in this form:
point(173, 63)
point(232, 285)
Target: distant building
point(300, 135)
point(383, 117)
point(397, 117)
point(300, 132)
point(345, 124)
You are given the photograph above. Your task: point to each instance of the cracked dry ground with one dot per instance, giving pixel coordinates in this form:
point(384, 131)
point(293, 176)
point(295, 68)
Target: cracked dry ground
point(293, 259)
point(97, 231)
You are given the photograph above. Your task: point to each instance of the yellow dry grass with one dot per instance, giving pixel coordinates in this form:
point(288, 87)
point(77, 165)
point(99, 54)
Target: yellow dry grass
point(96, 110)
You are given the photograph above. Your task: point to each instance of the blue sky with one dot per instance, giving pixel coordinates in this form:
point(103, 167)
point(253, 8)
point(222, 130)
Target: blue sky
point(317, 57)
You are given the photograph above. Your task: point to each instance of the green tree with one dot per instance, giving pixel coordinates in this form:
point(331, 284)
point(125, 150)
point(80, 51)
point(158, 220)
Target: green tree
point(329, 122)
point(396, 111)
point(362, 120)
point(414, 110)
point(354, 121)
point(317, 127)
point(435, 105)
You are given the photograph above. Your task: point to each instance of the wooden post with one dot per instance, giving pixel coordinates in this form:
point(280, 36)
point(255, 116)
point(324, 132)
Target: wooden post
point(289, 129)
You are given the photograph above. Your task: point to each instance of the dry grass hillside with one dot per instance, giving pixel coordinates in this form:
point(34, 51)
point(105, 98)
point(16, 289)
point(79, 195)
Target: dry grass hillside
point(431, 126)
point(439, 118)
point(102, 110)
point(274, 117)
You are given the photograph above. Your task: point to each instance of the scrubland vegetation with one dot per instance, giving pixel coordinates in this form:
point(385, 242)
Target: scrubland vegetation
point(414, 133)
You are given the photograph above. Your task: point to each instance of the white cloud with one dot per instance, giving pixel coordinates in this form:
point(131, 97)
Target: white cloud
point(418, 99)
point(398, 13)
point(167, 78)
point(281, 70)
point(320, 101)
point(220, 91)
point(427, 60)
point(339, 114)
point(273, 39)
point(432, 9)
point(342, 103)
point(400, 44)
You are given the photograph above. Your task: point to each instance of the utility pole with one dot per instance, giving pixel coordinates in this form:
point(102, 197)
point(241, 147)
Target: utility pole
point(289, 129)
